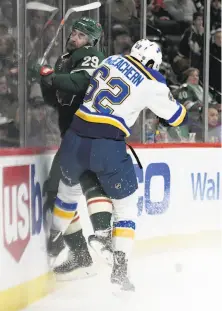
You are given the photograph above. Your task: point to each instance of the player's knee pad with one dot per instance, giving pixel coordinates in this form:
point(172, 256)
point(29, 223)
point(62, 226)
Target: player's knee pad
point(126, 208)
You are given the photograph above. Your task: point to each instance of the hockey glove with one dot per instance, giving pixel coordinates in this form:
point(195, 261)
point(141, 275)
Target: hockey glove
point(47, 75)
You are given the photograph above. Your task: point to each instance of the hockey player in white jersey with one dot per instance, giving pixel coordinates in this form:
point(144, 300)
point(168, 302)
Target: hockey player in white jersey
point(119, 89)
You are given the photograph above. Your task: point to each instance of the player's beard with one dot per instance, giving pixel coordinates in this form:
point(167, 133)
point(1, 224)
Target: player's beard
point(70, 46)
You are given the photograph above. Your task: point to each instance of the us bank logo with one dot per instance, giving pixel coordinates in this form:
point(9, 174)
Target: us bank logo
point(22, 214)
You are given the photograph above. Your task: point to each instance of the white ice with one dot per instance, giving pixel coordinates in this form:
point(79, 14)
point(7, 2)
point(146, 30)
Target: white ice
point(185, 280)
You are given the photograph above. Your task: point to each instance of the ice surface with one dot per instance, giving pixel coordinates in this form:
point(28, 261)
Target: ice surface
point(186, 280)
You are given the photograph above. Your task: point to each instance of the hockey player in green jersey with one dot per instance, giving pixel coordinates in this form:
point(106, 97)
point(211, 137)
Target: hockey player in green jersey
point(64, 87)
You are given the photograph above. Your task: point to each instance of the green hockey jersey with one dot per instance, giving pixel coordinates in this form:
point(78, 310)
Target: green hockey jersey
point(190, 94)
point(73, 72)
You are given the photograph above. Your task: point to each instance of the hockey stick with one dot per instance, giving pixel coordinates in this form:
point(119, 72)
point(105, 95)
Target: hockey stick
point(82, 8)
point(34, 5)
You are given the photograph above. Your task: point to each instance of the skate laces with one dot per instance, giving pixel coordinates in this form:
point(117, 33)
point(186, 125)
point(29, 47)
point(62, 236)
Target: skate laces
point(103, 233)
point(69, 260)
point(57, 235)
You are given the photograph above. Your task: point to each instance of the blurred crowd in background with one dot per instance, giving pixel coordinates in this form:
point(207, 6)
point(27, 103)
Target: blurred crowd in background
point(176, 25)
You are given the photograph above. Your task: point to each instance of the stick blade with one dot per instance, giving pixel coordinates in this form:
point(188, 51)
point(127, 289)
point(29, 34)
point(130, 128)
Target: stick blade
point(87, 7)
point(35, 5)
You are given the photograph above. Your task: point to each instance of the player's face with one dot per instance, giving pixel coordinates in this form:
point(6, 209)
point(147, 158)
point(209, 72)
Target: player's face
point(78, 39)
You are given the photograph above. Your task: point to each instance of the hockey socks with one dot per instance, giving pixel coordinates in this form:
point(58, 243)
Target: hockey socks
point(63, 213)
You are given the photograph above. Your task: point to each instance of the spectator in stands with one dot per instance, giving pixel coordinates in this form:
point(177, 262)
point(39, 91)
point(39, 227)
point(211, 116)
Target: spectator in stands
point(122, 41)
point(123, 10)
point(42, 123)
point(199, 4)
point(165, 133)
point(8, 100)
point(36, 20)
point(55, 51)
point(3, 28)
point(8, 133)
point(215, 14)
point(214, 127)
point(191, 46)
point(159, 9)
point(8, 61)
point(191, 92)
point(215, 61)
point(181, 11)
point(8, 17)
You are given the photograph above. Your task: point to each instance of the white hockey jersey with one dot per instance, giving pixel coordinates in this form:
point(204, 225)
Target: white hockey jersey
point(119, 89)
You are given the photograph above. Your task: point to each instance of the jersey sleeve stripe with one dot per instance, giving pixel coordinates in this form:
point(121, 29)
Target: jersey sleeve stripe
point(89, 70)
point(140, 67)
point(178, 117)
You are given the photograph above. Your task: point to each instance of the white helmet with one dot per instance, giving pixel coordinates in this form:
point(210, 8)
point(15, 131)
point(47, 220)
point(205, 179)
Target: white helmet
point(148, 53)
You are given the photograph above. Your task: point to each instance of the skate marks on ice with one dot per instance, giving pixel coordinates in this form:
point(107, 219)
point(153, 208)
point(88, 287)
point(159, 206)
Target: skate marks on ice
point(188, 280)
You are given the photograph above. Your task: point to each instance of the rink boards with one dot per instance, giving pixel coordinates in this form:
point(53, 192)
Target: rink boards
point(179, 206)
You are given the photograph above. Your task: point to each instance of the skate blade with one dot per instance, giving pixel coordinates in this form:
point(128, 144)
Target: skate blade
point(105, 255)
point(121, 294)
point(77, 274)
point(55, 261)
point(51, 261)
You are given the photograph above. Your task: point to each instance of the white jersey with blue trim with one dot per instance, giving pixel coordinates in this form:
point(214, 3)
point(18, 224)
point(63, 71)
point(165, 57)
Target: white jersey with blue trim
point(121, 88)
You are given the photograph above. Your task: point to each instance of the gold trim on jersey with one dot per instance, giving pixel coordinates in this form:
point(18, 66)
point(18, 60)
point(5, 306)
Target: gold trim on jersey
point(139, 66)
point(180, 118)
point(102, 119)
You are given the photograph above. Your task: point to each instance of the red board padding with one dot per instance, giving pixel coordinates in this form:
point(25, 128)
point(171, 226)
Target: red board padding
point(176, 145)
point(27, 151)
point(47, 150)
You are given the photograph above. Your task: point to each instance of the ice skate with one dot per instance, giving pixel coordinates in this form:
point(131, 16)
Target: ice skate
point(119, 273)
point(55, 243)
point(102, 246)
point(78, 265)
